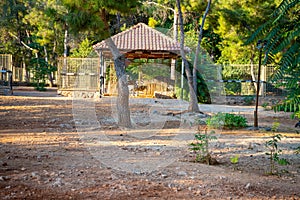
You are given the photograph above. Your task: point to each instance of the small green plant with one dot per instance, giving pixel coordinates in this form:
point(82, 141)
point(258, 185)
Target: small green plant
point(297, 150)
point(201, 146)
point(266, 106)
point(274, 151)
point(248, 100)
point(234, 159)
point(226, 120)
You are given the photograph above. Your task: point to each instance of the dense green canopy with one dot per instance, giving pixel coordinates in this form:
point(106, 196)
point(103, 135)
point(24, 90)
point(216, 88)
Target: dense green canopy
point(40, 31)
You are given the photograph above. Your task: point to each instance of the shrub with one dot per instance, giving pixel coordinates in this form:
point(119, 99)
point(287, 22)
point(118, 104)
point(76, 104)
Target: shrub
point(226, 120)
point(201, 147)
point(248, 100)
point(274, 151)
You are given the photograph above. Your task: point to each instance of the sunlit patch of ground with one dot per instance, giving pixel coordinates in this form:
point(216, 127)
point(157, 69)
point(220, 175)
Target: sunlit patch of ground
point(44, 155)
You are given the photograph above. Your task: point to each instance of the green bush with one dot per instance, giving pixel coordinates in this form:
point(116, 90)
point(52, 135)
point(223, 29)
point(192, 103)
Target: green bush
point(233, 88)
point(248, 100)
point(226, 120)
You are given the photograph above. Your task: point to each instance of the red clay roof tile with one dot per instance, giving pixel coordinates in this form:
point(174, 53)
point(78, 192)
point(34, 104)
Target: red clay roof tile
point(141, 37)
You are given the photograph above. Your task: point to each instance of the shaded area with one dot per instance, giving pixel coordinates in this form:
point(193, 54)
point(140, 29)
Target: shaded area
point(44, 157)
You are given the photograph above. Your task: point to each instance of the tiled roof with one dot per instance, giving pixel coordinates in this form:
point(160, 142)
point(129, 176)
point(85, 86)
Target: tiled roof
point(141, 37)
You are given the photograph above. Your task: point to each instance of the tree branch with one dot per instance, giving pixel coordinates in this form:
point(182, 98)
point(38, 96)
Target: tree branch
point(157, 4)
point(25, 45)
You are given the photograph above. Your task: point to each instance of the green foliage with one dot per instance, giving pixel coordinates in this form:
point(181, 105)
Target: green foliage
point(203, 94)
point(282, 33)
point(287, 107)
point(152, 22)
point(234, 21)
point(297, 151)
point(248, 100)
point(265, 105)
point(234, 159)
point(40, 69)
point(233, 88)
point(84, 50)
point(93, 15)
point(274, 151)
point(201, 146)
point(235, 72)
point(227, 121)
point(211, 43)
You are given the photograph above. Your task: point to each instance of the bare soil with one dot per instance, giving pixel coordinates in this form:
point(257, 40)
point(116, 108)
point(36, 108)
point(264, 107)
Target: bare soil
point(50, 148)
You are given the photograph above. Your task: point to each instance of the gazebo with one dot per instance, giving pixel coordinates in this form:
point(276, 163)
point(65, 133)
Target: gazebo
point(140, 42)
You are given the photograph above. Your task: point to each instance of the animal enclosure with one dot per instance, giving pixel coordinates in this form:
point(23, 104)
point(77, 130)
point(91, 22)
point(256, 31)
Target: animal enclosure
point(78, 74)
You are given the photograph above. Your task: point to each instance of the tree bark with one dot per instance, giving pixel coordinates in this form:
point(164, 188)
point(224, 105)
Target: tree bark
point(123, 91)
point(198, 47)
point(65, 61)
point(50, 73)
point(252, 68)
point(175, 31)
point(193, 106)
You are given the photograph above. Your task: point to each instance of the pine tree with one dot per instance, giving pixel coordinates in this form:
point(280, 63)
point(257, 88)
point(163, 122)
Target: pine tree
point(93, 15)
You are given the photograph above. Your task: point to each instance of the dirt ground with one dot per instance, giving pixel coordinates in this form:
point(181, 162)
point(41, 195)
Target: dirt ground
point(54, 147)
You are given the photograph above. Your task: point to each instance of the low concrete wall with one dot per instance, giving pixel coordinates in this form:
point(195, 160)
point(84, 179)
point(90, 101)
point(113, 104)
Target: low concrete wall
point(79, 93)
point(247, 100)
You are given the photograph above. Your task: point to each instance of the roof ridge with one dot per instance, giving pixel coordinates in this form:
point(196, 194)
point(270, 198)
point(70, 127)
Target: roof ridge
point(135, 26)
point(142, 37)
point(160, 33)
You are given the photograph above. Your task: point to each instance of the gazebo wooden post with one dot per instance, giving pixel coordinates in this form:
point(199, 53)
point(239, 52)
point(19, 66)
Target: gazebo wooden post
point(173, 64)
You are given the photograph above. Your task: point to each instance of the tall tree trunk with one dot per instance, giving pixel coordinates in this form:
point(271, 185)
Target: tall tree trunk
point(26, 74)
point(118, 26)
point(198, 47)
point(47, 61)
point(38, 63)
point(66, 42)
point(175, 23)
point(64, 80)
point(193, 106)
point(252, 67)
point(123, 91)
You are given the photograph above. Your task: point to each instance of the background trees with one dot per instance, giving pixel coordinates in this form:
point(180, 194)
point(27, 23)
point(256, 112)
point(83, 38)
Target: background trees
point(282, 33)
point(37, 32)
point(95, 16)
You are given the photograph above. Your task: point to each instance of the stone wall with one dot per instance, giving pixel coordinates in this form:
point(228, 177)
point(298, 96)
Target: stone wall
point(247, 100)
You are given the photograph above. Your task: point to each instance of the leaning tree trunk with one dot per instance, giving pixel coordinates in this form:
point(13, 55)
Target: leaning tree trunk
point(193, 106)
point(198, 47)
point(123, 91)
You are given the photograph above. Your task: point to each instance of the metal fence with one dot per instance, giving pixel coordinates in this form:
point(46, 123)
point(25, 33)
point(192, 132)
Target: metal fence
point(5, 74)
point(240, 80)
point(6, 63)
point(78, 74)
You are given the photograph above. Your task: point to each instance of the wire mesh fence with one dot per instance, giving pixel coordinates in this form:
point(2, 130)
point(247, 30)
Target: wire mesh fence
point(240, 80)
point(6, 74)
point(78, 74)
point(236, 80)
